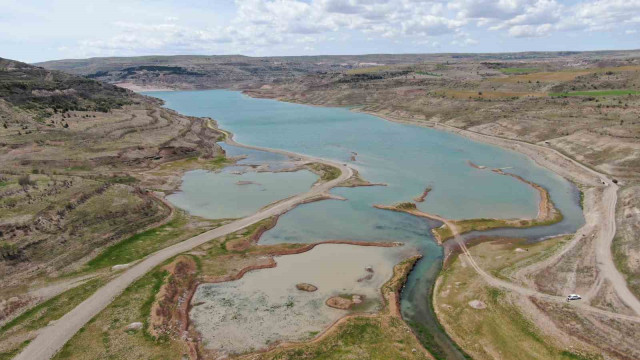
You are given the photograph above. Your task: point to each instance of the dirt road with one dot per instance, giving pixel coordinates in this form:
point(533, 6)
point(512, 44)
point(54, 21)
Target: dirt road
point(602, 219)
point(604, 257)
point(520, 289)
point(53, 337)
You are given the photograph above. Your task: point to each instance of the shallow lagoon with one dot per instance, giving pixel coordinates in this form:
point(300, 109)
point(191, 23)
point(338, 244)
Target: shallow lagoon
point(408, 158)
point(242, 315)
point(227, 194)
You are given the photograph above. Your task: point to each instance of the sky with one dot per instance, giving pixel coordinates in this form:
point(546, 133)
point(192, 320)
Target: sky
point(33, 31)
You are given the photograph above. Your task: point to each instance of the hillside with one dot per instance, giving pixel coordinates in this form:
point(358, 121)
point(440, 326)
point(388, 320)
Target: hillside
point(75, 161)
point(236, 71)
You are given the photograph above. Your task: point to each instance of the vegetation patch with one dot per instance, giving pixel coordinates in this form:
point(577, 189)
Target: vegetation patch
point(517, 70)
point(596, 93)
point(326, 172)
point(140, 245)
point(501, 327)
point(42, 314)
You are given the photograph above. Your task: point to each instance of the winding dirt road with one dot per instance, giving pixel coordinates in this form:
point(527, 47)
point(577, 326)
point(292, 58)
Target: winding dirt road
point(51, 339)
point(603, 221)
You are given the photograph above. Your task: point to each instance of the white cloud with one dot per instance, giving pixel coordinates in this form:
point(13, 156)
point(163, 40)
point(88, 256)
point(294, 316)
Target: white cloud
point(256, 25)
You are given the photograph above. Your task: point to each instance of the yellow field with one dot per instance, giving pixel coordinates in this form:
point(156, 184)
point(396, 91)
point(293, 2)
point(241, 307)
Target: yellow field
point(559, 76)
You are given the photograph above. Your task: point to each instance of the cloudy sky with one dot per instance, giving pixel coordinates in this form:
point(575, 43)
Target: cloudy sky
point(53, 29)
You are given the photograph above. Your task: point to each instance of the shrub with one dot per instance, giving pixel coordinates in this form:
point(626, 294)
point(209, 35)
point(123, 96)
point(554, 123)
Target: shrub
point(25, 180)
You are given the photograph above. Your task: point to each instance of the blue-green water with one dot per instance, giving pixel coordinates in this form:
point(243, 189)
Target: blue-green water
point(228, 195)
point(407, 158)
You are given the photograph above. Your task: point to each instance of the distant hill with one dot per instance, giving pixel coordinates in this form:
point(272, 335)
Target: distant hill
point(75, 155)
point(204, 71)
point(47, 91)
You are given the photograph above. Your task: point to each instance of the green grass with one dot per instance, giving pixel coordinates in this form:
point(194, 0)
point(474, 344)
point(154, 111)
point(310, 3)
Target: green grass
point(359, 338)
point(145, 243)
point(327, 172)
point(52, 309)
point(515, 70)
point(427, 73)
point(406, 206)
point(468, 225)
point(500, 328)
point(103, 337)
point(10, 354)
point(596, 93)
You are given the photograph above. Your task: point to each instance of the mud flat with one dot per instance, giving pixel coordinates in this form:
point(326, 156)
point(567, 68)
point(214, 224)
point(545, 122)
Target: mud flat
point(423, 196)
point(245, 315)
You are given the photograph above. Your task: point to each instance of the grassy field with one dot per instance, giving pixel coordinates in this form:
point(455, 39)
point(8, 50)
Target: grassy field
point(382, 336)
point(193, 163)
point(22, 327)
point(326, 172)
point(376, 338)
point(516, 70)
point(180, 228)
point(496, 325)
point(564, 75)
point(597, 93)
point(464, 226)
point(104, 337)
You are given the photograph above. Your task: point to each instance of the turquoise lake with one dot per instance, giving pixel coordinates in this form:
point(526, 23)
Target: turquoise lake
point(407, 158)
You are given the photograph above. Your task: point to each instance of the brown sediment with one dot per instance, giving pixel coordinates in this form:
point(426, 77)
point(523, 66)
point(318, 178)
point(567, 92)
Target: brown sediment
point(424, 194)
point(294, 251)
point(193, 341)
point(178, 288)
point(246, 182)
point(340, 303)
point(306, 287)
point(390, 292)
point(481, 167)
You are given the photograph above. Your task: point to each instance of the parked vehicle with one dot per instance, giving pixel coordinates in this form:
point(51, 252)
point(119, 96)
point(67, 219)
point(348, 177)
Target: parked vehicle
point(574, 297)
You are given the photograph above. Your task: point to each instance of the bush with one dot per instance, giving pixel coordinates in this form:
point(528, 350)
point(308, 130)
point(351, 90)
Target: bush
point(25, 180)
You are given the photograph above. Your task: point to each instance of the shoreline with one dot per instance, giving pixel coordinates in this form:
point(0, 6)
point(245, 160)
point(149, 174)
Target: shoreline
point(52, 338)
point(194, 343)
point(599, 220)
point(392, 296)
